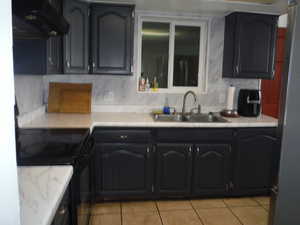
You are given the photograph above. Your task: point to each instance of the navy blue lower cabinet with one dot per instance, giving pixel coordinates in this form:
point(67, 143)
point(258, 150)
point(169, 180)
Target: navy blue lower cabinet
point(174, 169)
point(147, 163)
point(212, 170)
point(255, 162)
point(124, 170)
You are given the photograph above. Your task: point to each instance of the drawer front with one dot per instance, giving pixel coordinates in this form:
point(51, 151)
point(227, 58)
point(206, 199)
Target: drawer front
point(194, 135)
point(122, 136)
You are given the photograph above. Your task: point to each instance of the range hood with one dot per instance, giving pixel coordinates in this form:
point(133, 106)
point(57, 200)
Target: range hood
point(37, 19)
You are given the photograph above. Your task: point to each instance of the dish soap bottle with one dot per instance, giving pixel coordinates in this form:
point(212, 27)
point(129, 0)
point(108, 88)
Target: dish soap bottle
point(147, 84)
point(166, 109)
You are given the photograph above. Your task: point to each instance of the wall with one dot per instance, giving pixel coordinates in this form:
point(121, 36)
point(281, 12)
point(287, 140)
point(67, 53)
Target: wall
point(29, 92)
point(9, 194)
point(113, 92)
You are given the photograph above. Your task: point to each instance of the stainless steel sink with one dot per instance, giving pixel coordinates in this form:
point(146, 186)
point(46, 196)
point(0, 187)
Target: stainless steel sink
point(193, 118)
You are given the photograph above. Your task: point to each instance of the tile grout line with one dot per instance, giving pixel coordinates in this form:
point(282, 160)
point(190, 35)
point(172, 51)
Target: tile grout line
point(201, 221)
point(233, 213)
point(262, 205)
point(121, 210)
point(158, 211)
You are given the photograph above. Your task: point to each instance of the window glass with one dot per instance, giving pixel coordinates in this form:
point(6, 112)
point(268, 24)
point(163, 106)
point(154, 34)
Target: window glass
point(155, 53)
point(186, 56)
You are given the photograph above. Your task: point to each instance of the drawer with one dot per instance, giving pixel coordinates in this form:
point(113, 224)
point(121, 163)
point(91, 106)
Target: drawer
point(122, 136)
point(194, 135)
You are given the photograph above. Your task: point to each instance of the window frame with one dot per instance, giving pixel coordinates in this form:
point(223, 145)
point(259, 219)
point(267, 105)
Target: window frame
point(204, 25)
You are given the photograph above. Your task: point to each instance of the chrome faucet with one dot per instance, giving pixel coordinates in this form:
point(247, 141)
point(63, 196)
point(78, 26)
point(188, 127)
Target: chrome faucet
point(184, 100)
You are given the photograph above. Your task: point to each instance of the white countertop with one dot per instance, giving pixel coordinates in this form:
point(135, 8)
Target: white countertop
point(41, 190)
point(63, 120)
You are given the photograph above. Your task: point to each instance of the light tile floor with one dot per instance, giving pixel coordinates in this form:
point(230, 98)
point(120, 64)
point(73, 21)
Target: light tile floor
point(229, 211)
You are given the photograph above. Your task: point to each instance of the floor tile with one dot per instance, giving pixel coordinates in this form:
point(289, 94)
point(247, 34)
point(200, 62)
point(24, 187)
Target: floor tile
point(262, 200)
point(107, 219)
point(174, 205)
point(181, 217)
point(208, 203)
point(106, 208)
point(142, 218)
point(236, 202)
point(135, 207)
point(217, 216)
point(251, 215)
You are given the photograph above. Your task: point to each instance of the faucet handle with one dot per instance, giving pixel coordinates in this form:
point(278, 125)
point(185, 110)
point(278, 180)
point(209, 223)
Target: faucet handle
point(196, 110)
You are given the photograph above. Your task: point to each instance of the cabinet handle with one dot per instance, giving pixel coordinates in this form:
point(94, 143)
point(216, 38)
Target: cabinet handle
point(148, 150)
point(123, 136)
point(237, 69)
point(227, 187)
point(198, 150)
point(68, 64)
point(94, 65)
point(231, 185)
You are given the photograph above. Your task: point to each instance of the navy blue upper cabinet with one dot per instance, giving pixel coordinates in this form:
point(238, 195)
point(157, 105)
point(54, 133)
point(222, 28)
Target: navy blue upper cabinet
point(39, 56)
point(111, 39)
point(250, 46)
point(76, 42)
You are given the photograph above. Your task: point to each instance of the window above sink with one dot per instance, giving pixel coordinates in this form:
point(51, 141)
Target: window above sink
point(172, 54)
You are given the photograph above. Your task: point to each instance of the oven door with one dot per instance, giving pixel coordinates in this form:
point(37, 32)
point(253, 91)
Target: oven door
point(81, 192)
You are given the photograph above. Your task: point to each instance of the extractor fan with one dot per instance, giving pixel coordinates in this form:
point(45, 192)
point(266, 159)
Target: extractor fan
point(254, 1)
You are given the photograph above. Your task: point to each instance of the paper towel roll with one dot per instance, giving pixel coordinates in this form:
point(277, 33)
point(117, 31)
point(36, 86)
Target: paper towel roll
point(230, 98)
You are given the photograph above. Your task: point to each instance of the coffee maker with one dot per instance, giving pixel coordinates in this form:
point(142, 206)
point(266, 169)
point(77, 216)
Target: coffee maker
point(249, 103)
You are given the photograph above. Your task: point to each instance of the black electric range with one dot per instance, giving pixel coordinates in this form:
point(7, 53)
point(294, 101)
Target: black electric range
point(36, 147)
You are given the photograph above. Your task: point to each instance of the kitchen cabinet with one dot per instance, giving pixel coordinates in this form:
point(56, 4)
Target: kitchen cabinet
point(76, 42)
point(184, 162)
point(111, 39)
point(39, 56)
point(174, 169)
point(124, 169)
point(257, 150)
point(250, 46)
point(212, 169)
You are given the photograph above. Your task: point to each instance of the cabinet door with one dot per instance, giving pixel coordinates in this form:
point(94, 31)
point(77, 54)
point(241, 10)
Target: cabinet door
point(126, 170)
point(111, 39)
point(256, 155)
point(54, 55)
point(212, 169)
point(54, 46)
point(174, 169)
point(76, 43)
point(255, 46)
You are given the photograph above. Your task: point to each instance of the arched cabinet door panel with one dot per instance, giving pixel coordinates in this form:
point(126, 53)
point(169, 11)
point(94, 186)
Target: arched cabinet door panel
point(212, 169)
point(111, 39)
point(76, 42)
point(174, 169)
point(124, 169)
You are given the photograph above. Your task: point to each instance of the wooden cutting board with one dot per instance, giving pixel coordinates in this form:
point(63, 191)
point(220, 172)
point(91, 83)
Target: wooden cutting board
point(69, 98)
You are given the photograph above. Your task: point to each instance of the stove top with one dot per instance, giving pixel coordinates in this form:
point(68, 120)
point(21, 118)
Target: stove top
point(51, 146)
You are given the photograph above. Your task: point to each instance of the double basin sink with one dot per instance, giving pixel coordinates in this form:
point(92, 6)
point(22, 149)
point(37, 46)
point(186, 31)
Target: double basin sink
point(193, 118)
